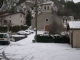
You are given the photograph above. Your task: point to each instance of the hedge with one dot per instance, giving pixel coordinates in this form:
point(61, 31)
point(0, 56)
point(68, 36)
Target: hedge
point(13, 28)
point(41, 38)
point(57, 39)
point(62, 39)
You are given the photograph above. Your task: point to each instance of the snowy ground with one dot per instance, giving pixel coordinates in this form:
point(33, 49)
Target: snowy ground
point(26, 50)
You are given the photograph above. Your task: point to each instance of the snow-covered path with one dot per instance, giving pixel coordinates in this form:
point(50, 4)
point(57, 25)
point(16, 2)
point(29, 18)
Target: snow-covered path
point(26, 50)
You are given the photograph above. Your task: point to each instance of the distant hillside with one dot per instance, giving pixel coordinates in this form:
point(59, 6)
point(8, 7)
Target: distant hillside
point(64, 8)
point(11, 5)
point(17, 5)
point(68, 8)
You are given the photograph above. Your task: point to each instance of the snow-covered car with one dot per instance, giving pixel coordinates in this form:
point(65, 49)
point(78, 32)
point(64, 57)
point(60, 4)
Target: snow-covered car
point(23, 33)
point(18, 37)
point(30, 31)
point(34, 29)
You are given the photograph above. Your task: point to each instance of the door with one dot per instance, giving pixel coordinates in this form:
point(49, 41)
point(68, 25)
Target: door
point(46, 27)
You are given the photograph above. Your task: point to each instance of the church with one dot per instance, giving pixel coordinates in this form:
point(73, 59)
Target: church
point(46, 17)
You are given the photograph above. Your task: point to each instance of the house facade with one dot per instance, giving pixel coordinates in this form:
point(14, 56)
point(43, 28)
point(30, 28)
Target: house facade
point(74, 33)
point(45, 18)
point(66, 20)
point(13, 19)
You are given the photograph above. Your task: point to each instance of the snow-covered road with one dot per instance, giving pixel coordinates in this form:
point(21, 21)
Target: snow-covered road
point(26, 50)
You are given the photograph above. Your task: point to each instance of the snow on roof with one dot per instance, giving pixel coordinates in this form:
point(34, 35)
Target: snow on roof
point(18, 35)
point(74, 24)
point(48, 2)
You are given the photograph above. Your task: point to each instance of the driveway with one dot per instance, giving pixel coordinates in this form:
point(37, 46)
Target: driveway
point(26, 50)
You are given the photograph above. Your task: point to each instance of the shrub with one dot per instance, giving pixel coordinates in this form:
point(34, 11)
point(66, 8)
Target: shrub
point(3, 29)
point(42, 38)
point(56, 39)
point(62, 39)
point(65, 39)
point(13, 28)
point(24, 27)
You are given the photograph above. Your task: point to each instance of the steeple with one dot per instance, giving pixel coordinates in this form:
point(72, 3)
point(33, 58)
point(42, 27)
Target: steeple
point(47, 6)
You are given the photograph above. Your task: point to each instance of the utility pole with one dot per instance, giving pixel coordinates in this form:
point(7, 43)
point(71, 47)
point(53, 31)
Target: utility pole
point(36, 5)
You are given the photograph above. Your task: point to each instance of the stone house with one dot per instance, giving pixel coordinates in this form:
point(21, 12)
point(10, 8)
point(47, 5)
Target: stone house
point(13, 19)
point(46, 17)
point(74, 33)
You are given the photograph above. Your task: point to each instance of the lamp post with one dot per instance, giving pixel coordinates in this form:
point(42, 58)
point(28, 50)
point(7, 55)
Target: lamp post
point(36, 17)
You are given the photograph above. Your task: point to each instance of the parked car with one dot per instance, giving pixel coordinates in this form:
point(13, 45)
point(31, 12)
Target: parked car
point(18, 37)
point(23, 33)
point(34, 29)
point(30, 31)
point(4, 39)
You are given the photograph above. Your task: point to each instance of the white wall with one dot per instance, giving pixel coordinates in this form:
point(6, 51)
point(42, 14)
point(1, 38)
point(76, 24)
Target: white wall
point(16, 19)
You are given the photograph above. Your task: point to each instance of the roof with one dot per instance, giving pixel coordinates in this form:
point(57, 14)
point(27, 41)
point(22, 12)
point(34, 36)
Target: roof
point(7, 14)
point(47, 3)
point(74, 24)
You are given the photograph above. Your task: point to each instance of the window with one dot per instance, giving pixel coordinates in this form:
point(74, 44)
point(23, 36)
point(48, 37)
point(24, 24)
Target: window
point(20, 15)
point(44, 7)
point(48, 7)
point(10, 21)
point(5, 36)
point(21, 21)
point(1, 35)
point(5, 21)
point(46, 19)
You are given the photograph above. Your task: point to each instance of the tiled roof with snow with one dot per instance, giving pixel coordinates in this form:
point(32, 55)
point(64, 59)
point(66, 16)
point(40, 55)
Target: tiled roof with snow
point(74, 24)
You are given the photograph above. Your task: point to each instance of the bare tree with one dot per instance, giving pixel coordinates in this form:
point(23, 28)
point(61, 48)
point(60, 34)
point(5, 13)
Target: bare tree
point(56, 26)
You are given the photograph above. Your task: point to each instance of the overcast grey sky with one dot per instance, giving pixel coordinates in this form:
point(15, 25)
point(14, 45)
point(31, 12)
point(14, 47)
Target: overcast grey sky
point(76, 1)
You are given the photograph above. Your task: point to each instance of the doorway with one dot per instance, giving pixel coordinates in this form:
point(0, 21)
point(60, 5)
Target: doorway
point(46, 27)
